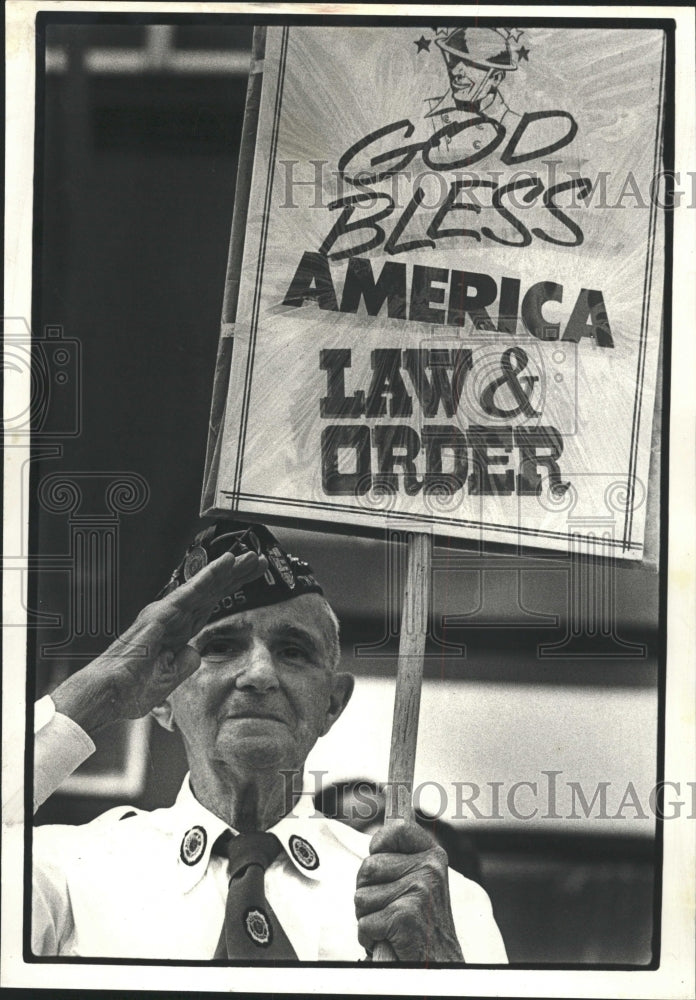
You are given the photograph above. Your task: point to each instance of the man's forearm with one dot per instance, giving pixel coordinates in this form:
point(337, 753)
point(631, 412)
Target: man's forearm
point(88, 698)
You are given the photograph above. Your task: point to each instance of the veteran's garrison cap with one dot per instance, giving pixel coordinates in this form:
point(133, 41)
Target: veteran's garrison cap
point(286, 576)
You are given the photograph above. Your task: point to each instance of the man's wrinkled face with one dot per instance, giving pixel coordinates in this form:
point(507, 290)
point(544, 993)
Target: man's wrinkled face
point(468, 82)
point(265, 690)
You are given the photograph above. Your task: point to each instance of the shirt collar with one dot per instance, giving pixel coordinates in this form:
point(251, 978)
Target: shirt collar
point(301, 834)
point(491, 102)
point(194, 830)
point(441, 105)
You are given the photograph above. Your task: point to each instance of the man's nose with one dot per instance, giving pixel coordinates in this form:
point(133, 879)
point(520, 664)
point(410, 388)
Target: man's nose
point(258, 672)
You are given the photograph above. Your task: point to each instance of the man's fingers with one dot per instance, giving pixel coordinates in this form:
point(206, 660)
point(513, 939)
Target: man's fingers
point(372, 898)
point(371, 929)
point(404, 899)
point(169, 669)
point(214, 580)
point(384, 866)
point(217, 579)
point(230, 577)
point(397, 925)
point(186, 662)
point(169, 624)
point(378, 869)
point(401, 837)
point(174, 619)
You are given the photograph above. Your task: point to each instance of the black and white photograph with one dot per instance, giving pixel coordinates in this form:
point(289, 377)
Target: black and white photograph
point(348, 567)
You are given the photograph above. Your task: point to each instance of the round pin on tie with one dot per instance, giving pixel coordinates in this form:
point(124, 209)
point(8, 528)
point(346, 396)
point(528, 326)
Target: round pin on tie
point(258, 927)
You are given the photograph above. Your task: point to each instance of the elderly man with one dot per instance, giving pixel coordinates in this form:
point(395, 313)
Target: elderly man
point(240, 656)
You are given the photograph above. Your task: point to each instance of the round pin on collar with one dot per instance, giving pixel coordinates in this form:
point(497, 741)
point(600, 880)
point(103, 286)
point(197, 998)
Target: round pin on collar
point(193, 845)
point(303, 853)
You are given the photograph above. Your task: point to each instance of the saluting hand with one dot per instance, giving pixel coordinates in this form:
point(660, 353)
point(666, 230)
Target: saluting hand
point(153, 657)
point(403, 896)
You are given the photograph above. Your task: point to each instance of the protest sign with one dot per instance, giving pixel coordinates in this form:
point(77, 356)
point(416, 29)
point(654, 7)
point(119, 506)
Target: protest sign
point(450, 293)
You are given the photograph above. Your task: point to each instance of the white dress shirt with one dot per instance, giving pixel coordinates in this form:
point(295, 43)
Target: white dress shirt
point(138, 884)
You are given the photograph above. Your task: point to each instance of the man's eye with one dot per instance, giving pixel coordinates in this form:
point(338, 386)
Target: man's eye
point(292, 652)
point(210, 651)
point(219, 648)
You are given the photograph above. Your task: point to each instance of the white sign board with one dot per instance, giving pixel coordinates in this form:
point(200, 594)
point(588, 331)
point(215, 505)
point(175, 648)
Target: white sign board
point(449, 304)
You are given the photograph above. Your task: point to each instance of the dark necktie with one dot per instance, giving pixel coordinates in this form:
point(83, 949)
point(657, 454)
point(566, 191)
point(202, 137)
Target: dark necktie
point(251, 929)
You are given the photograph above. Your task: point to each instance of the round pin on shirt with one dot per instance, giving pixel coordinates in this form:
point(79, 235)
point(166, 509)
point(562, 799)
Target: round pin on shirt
point(303, 852)
point(193, 845)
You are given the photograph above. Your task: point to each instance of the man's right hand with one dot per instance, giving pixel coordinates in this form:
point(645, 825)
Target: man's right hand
point(153, 657)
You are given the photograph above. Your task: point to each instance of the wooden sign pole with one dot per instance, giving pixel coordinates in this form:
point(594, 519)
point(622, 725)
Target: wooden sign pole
point(402, 755)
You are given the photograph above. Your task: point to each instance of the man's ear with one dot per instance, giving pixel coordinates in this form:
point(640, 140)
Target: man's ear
point(164, 715)
point(343, 685)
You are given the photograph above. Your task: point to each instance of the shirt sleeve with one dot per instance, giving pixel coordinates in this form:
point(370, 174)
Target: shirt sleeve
point(52, 925)
point(60, 746)
point(478, 934)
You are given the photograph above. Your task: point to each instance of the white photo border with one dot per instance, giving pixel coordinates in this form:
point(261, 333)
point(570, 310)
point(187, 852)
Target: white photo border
point(675, 976)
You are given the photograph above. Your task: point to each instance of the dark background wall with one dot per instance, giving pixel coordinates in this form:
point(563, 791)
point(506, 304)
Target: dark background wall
point(139, 186)
point(138, 155)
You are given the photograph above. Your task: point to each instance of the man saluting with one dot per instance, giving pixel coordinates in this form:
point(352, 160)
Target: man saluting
point(240, 657)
